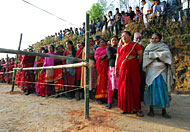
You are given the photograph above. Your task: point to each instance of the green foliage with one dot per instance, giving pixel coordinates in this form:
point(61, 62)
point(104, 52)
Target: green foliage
point(96, 11)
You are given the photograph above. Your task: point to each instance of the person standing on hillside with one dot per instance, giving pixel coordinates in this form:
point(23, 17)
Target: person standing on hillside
point(110, 23)
point(145, 12)
point(117, 22)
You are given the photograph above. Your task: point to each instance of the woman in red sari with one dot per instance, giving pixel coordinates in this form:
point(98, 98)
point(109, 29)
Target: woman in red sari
point(27, 77)
point(18, 72)
point(11, 66)
point(129, 75)
point(2, 70)
point(102, 72)
point(58, 73)
point(41, 75)
point(78, 69)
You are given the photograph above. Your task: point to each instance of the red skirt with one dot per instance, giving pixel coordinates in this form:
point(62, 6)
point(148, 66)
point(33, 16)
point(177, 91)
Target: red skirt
point(102, 80)
point(41, 82)
point(27, 80)
point(58, 79)
point(129, 86)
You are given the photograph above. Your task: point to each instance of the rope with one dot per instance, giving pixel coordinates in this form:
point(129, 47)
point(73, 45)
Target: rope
point(52, 84)
point(6, 72)
point(49, 13)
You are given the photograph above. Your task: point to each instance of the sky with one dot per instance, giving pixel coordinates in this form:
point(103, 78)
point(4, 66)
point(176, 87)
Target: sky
point(18, 17)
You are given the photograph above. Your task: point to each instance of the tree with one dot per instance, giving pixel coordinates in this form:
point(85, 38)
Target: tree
point(96, 11)
point(124, 4)
point(107, 4)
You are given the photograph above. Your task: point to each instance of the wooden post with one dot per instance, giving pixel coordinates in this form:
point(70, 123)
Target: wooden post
point(86, 84)
point(7, 69)
point(14, 71)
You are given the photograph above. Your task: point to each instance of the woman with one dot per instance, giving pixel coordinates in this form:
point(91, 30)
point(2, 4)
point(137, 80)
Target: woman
point(11, 66)
point(92, 69)
point(27, 77)
point(102, 71)
point(18, 72)
point(41, 75)
point(138, 39)
point(104, 25)
point(49, 77)
point(69, 72)
point(58, 73)
point(78, 69)
point(112, 79)
point(2, 70)
point(160, 75)
point(37, 72)
point(129, 75)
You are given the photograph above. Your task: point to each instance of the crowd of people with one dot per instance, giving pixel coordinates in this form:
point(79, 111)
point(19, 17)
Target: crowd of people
point(120, 65)
point(149, 14)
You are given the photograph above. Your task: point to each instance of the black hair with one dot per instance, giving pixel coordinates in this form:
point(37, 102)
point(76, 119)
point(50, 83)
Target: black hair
point(127, 32)
point(73, 48)
point(130, 7)
point(117, 9)
point(52, 47)
point(83, 43)
point(159, 35)
point(46, 50)
point(42, 48)
point(103, 40)
point(110, 12)
point(105, 18)
point(115, 37)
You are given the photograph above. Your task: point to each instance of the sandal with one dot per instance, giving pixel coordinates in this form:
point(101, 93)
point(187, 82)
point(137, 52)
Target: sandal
point(108, 106)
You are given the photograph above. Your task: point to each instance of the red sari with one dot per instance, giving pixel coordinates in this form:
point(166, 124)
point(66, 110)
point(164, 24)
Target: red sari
point(5, 70)
point(10, 69)
point(129, 79)
point(102, 73)
point(27, 77)
point(18, 73)
point(78, 69)
point(58, 75)
point(41, 77)
point(2, 72)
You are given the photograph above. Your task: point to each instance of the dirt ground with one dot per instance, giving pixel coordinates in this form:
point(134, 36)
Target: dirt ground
point(20, 113)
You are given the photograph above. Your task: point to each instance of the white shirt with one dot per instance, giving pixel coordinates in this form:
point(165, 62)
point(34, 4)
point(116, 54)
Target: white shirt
point(146, 8)
point(185, 4)
point(110, 23)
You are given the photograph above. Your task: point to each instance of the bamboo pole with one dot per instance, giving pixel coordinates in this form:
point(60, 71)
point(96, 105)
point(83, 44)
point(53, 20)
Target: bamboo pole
point(53, 67)
point(14, 72)
point(86, 88)
point(37, 54)
point(7, 69)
